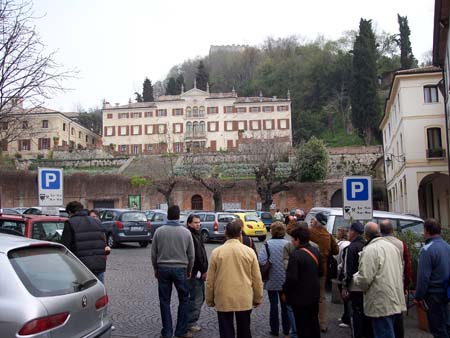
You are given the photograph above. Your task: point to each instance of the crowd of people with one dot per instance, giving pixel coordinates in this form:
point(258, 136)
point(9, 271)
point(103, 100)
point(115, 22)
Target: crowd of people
point(373, 275)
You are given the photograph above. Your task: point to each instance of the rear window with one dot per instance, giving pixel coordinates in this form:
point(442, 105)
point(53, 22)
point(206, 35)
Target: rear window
point(226, 218)
point(266, 215)
point(251, 217)
point(17, 226)
point(50, 271)
point(411, 225)
point(210, 218)
point(133, 216)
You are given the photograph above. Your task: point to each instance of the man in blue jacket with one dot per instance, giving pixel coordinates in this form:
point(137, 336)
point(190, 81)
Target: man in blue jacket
point(432, 279)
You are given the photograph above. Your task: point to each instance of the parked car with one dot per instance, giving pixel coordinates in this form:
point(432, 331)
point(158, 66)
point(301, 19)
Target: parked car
point(48, 228)
point(253, 227)
point(401, 222)
point(47, 292)
point(9, 211)
point(159, 217)
point(20, 210)
point(266, 218)
point(38, 211)
point(124, 225)
point(212, 226)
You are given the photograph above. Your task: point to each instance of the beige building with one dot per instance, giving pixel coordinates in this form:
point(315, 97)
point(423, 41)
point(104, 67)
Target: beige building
point(195, 120)
point(42, 129)
point(414, 142)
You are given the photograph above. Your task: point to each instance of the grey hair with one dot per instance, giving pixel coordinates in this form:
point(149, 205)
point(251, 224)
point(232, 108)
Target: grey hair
point(371, 230)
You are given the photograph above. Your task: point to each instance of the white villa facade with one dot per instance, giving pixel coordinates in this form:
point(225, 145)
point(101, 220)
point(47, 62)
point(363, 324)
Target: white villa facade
point(414, 144)
point(195, 120)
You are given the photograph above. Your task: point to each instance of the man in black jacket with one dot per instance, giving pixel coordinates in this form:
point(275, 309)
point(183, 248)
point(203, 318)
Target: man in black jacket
point(360, 323)
point(84, 236)
point(302, 287)
point(199, 272)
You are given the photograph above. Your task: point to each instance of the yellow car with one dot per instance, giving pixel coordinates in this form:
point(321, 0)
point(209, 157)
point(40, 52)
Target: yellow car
point(253, 227)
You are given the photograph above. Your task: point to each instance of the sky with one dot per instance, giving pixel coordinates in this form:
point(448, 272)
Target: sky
point(114, 44)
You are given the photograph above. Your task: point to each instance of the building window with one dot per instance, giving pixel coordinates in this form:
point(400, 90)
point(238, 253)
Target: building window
point(430, 94)
point(228, 109)
point(24, 124)
point(123, 115)
point(201, 128)
point(72, 131)
point(149, 129)
point(213, 126)
point(136, 130)
point(213, 110)
point(79, 134)
point(255, 109)
point(178, 147)
point(268, 124)
point(123, 148)
point(241, 109)
point(194, 111)
point(149, 147)
point(197, 202)
point(282, 108)
point(43, 143)
point(136, 115)
point(148, 114)
point(161, 129)
point(177, 112)
point(87, 139)
point(241, 125)
point(44, 123)
point(189, 127)
point(434, 143)
point(64, 127)
point(123, 131)
point(283, 124)
point(24, 145)
point(177, 128)
point(109, 116)
point(267, 109)
point(228, 125)
point(255, 125)
point(136, 149)
point(201, 111)
point(161, 112)
point(188, 112)
point(109, 131)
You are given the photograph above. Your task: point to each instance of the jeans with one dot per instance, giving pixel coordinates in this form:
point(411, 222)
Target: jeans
point(291, 316)
point(101, 276)
point(274, 297)
point(383, 327)
point(226, 325)
point(167, 278)
point(438, 316)
point(196, 299)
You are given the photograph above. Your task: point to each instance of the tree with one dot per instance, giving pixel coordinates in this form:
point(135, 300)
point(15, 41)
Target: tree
point(312, 161)
point(364, 91)
point(29, 74)
point(171, 88)
point(407, 59)
point(180, 84)
point(93, 119)
point(164, 175)
point(147, 91)
point(138, 97)
point(201, 76)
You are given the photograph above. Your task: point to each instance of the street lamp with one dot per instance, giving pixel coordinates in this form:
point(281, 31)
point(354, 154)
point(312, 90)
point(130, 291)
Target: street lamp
point(390, 158)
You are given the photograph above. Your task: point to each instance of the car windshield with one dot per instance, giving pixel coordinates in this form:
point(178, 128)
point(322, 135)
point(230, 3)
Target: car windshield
point(413, 226)
point(49, 271)
point(48, 231)
point(251, 217)
point(133, 216)
point(266, 215)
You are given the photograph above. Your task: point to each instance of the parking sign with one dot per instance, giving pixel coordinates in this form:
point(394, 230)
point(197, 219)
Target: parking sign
point(357, 197)
point(50, 187)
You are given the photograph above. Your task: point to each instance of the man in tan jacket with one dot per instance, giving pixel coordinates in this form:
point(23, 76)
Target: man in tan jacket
point(234, 284)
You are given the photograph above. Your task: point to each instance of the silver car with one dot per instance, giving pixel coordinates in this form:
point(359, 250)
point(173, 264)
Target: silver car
point(47, 292)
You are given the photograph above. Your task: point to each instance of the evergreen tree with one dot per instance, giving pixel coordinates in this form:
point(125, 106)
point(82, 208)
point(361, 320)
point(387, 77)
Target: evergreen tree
point(364, 94)
point(180, 83)
point(407, 59)
point(138, 97)
point(147, 91)
point(202, 76)
point(171, 88)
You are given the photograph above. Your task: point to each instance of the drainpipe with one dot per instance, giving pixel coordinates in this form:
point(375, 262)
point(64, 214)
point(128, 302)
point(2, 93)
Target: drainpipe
point(445, 95)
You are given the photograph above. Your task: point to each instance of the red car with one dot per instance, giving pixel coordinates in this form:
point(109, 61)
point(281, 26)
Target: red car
point(47, 228)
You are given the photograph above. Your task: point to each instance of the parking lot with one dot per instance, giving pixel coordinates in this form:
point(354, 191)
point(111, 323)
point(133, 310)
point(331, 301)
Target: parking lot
point(134, 305)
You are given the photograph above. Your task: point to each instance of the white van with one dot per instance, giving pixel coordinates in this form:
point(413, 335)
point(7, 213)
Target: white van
point(401, 222)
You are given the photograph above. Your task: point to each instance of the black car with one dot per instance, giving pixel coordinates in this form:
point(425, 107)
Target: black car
point(123, 225)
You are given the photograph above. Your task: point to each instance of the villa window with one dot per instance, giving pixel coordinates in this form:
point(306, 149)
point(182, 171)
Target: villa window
point(430, 94)
point(434, 143)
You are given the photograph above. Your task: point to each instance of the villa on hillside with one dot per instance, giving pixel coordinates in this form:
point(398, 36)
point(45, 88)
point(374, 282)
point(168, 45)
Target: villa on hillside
point(195, 120)
point(414, 144)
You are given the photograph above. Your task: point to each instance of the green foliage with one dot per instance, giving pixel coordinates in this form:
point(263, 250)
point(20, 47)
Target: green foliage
point(138, 97)
point(92, 120)
point(413, 242)
point(147, 91)
point(340, 138)
point(179, 82)
point(312, 161)
point(407, 59)
point(364, 92)
point(137, 181)
point(171, 88)
point(202, 76)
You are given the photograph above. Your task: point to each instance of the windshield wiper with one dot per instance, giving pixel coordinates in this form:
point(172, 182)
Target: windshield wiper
point(86, 284)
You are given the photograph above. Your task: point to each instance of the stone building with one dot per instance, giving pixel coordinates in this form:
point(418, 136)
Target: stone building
point(195, 120)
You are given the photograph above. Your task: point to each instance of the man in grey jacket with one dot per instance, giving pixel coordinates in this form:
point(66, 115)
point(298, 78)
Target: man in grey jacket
point(173, 259)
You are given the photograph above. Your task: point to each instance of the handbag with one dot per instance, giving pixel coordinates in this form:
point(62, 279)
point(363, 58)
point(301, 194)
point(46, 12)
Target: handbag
point(332, 265)
point(265, 268)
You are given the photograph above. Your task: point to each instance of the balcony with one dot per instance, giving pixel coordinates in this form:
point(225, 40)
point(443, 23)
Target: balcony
point(195, 116)
point(436, 153)
point(199, 134)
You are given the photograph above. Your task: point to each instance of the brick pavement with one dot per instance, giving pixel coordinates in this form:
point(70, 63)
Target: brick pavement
point(134, 305)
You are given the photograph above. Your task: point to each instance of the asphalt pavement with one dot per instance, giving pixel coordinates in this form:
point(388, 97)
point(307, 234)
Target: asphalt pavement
point(134, 304)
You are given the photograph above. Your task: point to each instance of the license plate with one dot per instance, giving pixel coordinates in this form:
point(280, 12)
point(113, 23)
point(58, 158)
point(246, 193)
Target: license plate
point(136, 228)
point(259, 232)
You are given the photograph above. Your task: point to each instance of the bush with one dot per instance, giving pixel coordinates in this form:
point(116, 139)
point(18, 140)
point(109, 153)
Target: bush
point(414, 243)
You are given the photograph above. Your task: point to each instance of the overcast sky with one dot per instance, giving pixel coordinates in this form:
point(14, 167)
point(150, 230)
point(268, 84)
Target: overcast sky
point(115, 44)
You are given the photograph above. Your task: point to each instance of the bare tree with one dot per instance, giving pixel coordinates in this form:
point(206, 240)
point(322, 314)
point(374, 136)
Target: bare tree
point(29, 74)
point(265, 154)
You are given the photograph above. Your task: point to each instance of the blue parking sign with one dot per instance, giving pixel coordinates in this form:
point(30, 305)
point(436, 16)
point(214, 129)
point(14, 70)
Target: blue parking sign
point(50, 187)
point(51, 179)
point(357, 189)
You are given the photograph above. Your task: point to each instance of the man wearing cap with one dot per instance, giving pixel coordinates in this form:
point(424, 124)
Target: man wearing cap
point(360, 323)
point(327, 246)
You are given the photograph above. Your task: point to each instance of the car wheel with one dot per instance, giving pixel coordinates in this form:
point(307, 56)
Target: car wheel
point(205, 236)
point(143, 244)
point(111, 242)
point(262, 238)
